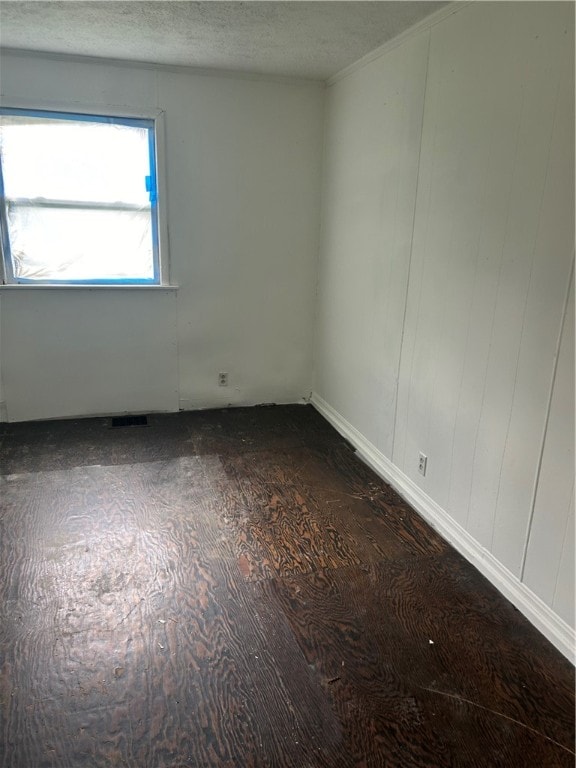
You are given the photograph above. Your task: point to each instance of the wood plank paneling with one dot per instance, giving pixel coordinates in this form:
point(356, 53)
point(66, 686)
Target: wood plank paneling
point(550, 256)
point(564, 602)
point(490, 262)
point(373, 126)
point(549, 569)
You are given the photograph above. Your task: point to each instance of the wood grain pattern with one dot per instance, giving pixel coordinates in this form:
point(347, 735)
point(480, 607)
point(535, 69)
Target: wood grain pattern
point(465, 657)
point(269, 603)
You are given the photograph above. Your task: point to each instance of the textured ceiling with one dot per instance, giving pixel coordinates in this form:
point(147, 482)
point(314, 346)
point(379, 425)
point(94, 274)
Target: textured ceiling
point(302, 39)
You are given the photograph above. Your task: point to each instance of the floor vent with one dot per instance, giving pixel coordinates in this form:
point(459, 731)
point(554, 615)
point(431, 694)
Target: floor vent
point(129, 421)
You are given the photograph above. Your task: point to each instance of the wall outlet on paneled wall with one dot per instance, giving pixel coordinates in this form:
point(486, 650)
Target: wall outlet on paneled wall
point(422, 462)
point(223, 379)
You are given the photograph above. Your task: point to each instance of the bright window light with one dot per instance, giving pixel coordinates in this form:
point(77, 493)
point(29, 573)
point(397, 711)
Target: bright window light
point(78, 198)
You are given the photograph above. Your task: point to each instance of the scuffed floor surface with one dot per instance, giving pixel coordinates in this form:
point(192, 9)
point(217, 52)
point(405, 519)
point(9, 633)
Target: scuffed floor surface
point(236, 589)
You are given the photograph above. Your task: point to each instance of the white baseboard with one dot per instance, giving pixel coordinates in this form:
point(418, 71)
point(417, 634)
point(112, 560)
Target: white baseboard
point(536, 611)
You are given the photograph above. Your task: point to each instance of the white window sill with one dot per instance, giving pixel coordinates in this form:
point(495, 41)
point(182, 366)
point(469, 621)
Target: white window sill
point(77, 287)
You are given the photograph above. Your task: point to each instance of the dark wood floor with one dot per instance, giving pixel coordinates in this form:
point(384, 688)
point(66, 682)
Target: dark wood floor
point(236, 589)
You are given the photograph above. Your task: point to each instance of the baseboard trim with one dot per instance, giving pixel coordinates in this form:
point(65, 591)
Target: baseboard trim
point(555, 629)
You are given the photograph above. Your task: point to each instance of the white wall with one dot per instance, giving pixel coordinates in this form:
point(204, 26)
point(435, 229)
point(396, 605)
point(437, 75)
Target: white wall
point(243, 163)
point(110, 351)
point(441, 336)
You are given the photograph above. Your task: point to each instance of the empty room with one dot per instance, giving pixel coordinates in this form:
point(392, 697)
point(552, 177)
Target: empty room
point(287, 384)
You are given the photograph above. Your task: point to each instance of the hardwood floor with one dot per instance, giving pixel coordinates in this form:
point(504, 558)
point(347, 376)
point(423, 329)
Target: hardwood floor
point(236, 589)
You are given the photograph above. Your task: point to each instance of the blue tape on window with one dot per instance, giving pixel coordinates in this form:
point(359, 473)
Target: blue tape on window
point(151, 188)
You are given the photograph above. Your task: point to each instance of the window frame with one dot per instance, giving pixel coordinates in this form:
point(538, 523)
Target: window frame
point(154, 123)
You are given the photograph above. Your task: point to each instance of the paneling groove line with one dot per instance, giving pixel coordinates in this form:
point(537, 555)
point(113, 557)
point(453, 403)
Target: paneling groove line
point(545, 430)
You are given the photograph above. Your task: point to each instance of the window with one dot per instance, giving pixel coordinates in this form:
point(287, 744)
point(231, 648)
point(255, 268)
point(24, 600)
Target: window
point(78, 200)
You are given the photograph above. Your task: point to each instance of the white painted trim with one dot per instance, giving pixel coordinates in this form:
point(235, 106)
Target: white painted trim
point(389, 45)
point(162, 197)
point(536, 611)
point(81, 287)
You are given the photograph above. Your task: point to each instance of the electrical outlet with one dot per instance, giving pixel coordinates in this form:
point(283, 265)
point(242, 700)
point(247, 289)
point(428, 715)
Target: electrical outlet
point(223, 379)
point(422, 461)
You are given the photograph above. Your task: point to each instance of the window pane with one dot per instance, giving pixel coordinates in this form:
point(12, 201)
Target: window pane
point(80, 244)
point(74, 160)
